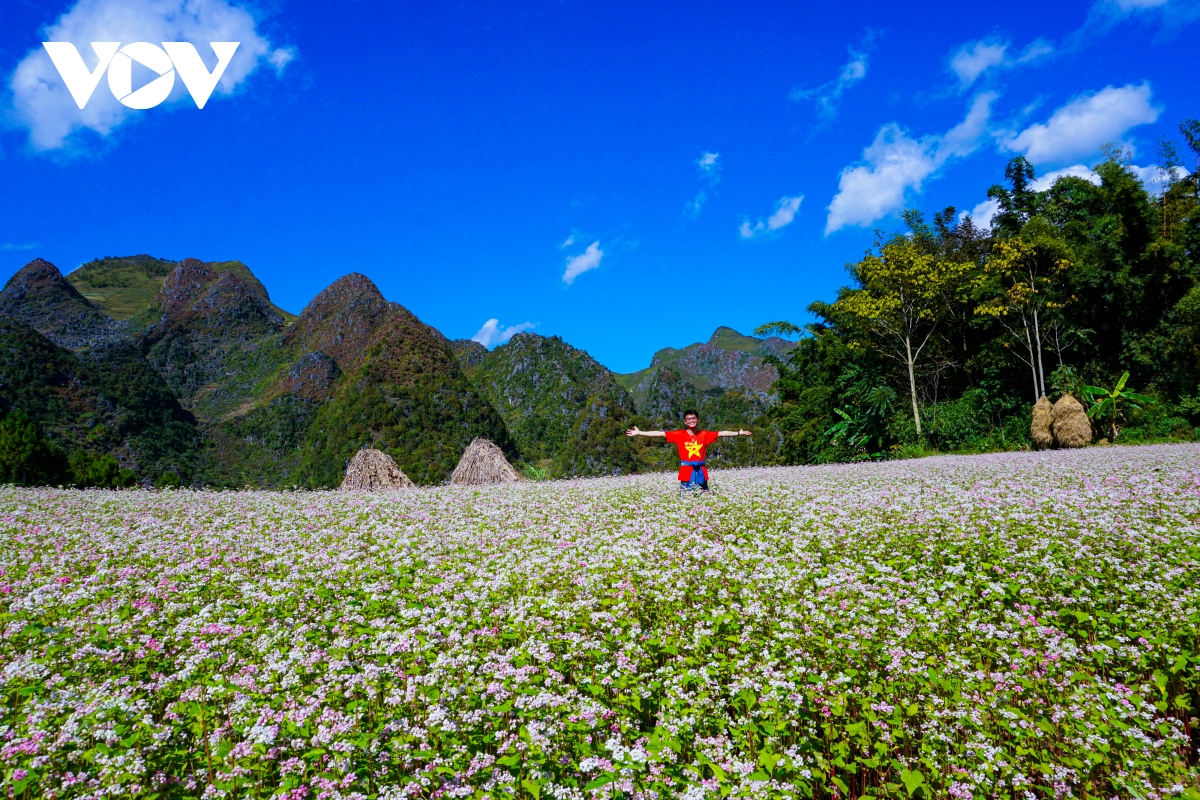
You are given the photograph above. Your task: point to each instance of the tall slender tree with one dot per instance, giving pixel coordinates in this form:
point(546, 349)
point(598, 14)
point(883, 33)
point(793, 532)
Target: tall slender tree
point(904, 292)
point(1017, 287)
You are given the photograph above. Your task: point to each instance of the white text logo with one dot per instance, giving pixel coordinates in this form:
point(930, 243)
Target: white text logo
point(172, 57)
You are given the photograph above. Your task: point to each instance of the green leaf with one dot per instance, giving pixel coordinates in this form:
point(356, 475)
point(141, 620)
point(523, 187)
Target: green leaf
point(603, 780)
point(912, 780)
point(769, 760)
point(533, 787)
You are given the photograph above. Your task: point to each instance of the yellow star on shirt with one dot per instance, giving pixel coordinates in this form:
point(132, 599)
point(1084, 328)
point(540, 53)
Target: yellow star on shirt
point(693, 449)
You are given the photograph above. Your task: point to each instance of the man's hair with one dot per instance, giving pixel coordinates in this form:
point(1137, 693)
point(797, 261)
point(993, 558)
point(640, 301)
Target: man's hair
point(691, 413)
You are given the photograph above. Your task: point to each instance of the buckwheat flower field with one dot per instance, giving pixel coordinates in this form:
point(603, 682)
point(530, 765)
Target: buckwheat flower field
point(1020, 625)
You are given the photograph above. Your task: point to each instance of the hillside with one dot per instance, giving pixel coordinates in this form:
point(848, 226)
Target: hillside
point(406, 396)
point(124, 286)
point(728, 360)
point(541, 386)
point(38, 296)
point(102, 400)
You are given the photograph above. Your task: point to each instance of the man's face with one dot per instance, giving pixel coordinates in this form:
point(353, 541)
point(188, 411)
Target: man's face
point(691, 421)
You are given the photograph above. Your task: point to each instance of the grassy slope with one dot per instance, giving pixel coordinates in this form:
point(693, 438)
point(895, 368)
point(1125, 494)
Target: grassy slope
point(126, 286)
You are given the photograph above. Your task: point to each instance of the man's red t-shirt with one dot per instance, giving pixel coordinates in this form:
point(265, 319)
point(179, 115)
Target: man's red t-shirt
point(691, 448)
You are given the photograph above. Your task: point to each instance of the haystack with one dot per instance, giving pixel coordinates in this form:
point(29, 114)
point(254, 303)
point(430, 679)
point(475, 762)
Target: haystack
point(1072, 428)
point(373, 470)
point(482, 464)
point(1041, 429)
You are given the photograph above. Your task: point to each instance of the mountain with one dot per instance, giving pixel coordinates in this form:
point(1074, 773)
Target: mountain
point(214, 336)
point(403, 392)
point(129, 285)
point(63, 362)
point(541, 385)
point(187, 367)
point(38, 296)
point(354, 370)
point(728, 360)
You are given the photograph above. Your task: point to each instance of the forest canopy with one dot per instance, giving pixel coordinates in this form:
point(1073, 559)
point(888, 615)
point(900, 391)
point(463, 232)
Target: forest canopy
point(951, 329)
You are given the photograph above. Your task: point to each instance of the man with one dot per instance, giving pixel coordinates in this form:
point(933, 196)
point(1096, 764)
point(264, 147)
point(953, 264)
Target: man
point(693, 474)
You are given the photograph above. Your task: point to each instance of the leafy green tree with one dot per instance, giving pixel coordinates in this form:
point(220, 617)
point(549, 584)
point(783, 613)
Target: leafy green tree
point(100, 471)
point(904, 293)
point(1018, 283)
point(25, 455)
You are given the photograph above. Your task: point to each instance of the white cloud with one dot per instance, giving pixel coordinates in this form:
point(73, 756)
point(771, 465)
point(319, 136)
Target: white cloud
point(693, 206)
point(829, 94)
point(10, 247)
point(972, 60)
point(1105, 14)
point(1082, 125)
point(896, 163)
point(570, 240)
point(587, 260)
point(491, 334)
point(709, 165)
point(785, 211)
point(1075, 171)
point(42, 103)
point(983, 213)
point(1152, 176)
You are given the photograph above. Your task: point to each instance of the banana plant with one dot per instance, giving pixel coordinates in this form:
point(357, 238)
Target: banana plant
point(1106, 401)
point(860, 427)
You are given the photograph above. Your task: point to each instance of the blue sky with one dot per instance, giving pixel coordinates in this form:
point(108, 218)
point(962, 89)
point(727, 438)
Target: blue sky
point(627, 178)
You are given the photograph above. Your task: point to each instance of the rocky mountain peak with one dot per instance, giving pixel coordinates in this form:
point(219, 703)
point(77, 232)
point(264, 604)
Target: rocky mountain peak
point(199, 297)
point(341, 320)
point(39, 296)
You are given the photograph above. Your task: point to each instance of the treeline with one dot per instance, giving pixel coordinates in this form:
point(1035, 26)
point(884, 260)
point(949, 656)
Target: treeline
point(950, 332)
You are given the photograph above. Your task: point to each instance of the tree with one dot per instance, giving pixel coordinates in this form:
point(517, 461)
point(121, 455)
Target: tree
point(1017, 281)
point(25, 455)
point(904, 293)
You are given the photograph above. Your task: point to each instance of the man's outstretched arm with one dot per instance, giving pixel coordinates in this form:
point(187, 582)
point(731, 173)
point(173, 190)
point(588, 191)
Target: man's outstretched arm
point(733, 433)
point(635, 432)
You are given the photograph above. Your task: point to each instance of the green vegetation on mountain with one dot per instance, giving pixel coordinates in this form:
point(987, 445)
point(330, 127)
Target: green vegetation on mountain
point(105, 400)
point(125, 286)
point(728, 360)
point(541, 386)
point(1072, 286)
point(407, 397)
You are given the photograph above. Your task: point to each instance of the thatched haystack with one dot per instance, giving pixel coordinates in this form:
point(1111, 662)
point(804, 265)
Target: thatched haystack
point(1072, 428)
point(1041, 429)
point(483, 464)
point(373, 470)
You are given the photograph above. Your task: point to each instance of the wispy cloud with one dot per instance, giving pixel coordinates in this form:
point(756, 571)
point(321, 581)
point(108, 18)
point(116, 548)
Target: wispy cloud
point(42, 104)
point(897, 163)
point(1081, 126)
point(785, 211)
point(492, 334)
point(974, 59)
point(589, 259)
point(829, 94)
point(10, 247)
point(709, 165)
point(1104, 15)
